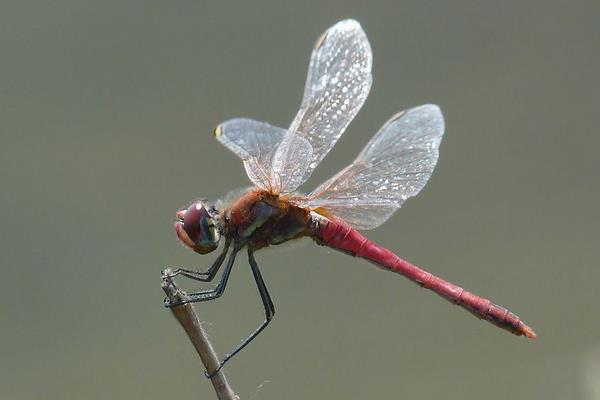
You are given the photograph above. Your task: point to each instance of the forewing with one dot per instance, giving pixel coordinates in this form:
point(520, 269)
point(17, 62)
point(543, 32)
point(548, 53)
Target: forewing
point(290, 160)
point(259, 145)
point(338, 82)
point(255, 143)
point(395, 165)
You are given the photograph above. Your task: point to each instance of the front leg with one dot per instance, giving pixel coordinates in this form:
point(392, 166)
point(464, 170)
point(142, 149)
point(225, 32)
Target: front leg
point(209, 294)
point(202, 276)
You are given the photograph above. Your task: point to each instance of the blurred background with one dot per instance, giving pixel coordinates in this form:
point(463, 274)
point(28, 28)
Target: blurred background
point(106, 117)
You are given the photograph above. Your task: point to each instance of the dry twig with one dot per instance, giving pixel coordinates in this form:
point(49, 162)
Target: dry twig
point(190, 322)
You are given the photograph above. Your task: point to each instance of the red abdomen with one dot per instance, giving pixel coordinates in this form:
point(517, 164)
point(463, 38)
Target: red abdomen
point(341, 237)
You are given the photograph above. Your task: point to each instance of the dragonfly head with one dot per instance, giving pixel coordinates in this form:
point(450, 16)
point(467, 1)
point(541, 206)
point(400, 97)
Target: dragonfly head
point(198, 227)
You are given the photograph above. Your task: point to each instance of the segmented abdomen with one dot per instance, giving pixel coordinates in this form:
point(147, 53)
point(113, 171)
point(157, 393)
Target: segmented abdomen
point(339, 236)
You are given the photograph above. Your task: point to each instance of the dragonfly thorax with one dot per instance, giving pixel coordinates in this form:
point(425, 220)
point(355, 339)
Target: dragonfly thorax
point(260, 219)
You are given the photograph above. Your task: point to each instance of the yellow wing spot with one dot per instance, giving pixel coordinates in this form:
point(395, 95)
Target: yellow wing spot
point(320, 41)
point(397, 116)
point(218, 132)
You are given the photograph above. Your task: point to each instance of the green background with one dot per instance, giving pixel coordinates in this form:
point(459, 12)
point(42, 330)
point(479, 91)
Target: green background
point(106, 114)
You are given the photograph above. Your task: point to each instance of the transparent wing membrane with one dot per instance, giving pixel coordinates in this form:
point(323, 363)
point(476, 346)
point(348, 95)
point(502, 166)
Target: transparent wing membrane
point(259, 145)
point(338, 83)
point(339, 79)
point(395, 165)
point(289, 163)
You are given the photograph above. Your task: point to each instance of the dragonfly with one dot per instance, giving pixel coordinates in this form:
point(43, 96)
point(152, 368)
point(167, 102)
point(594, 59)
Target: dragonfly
point(394, 166)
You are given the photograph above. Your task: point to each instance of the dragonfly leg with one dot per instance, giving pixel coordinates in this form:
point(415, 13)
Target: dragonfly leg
point(203, 276)
point(269, 312)
point(211, 294)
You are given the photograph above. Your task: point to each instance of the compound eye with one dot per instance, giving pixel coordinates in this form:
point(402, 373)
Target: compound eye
point(192, 221)
point(200, 228)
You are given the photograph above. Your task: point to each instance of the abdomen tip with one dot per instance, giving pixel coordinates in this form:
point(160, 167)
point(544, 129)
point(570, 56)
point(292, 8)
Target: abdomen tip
point(527, 331)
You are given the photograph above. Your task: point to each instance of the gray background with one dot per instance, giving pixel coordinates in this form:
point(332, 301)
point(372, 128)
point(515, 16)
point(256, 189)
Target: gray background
point(106, 113)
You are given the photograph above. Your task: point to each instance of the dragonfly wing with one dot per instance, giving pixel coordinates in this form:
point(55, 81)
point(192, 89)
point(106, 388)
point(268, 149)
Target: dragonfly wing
point(395, 165)
point(257, 144)
point(290, 161)
point(338, 82)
